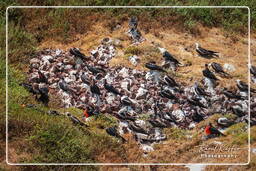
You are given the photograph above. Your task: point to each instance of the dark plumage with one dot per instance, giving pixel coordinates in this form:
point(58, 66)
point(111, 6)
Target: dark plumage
point(76, 52)
point(110, 88)
point(85, 79)
point(231, 95)
point(29, 88)
point(218, 69)
point(95, 89)
point(200, 91)
point(154, 67)
point(242, 86)
point(205, 53)
point(63, 85)
point(196, 102)
point(137, 128)
point(207, 73)
point(126, 101)
point(113, 132)
point(167, 94)
point(133, 22)
point(170, 81)
point(169, 57)
point(75, 120)
point(253, 70)
point(42, 77)
point(95, 70)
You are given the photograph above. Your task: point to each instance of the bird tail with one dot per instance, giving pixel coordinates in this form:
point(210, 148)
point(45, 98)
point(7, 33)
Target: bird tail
point(123, 139)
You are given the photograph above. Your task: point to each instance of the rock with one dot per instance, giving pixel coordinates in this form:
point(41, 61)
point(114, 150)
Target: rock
point(116, 42)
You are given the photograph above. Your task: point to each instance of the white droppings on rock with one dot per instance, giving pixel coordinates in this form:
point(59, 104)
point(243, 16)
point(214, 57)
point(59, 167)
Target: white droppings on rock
point(192, 125)
point(229, 67)
point(110, 98)
point(134, 59)
point(195, 167)
point(179, 115)
point(124, 72)
point(147, 148)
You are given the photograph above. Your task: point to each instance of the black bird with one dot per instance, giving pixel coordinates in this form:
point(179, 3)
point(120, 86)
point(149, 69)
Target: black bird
point(110, 88)
point(224, 122)
point(200, 91)
point(207, 73)
point(133, 22)
point(113, 132)
point(126, 101)
point(205, 53)
point(156, 123)
point(44, 97)
point(75, 120)
point(94, 88)
point(134, 127)
point(29, 88)
point(42, 77)
point(253, 70)
point(85, 79)
point(168, 56)
point(237, 110)
point(154, 67)
point(230, 95)
point(197, 117)
point(242, 86)
point(125, 116)
point(95, 70)
point(167, 94)
point(76, 52)
point(136, 34)
point(170, 81)
point(218, 69)
point(196, 102)
point(64, 86)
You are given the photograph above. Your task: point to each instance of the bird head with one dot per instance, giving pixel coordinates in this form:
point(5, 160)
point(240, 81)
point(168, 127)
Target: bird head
point(162, 50)
point(197, 45)
point(206, 65)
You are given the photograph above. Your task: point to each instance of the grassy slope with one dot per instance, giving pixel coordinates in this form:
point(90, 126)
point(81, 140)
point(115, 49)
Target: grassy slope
point(42, 130)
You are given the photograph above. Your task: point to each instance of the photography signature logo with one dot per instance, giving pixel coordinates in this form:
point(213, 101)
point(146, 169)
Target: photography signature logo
point(218, 151)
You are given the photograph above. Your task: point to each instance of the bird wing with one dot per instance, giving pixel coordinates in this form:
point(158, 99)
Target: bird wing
point(205, 51)
point(215, 131)
point(217, 67)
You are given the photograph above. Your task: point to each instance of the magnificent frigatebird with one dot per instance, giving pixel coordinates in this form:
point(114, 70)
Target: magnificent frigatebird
point(133, 22)
point(207, 73)
point(113, 132)
point(154, 67)
point(218, 69)
point(211, 131)
point(76, 52)
point(168, 56)
point(111, 88)
point(242, 86)
point(204, 52)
